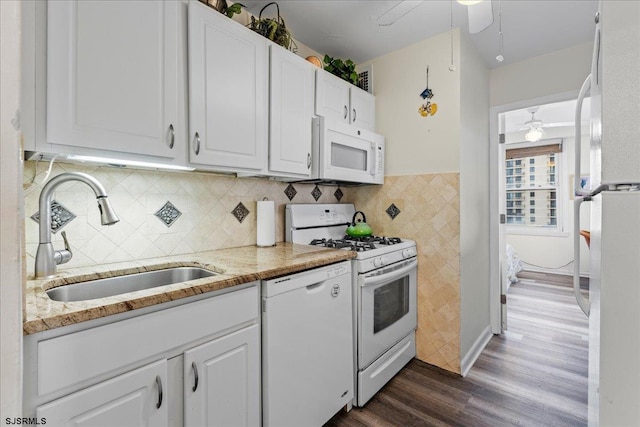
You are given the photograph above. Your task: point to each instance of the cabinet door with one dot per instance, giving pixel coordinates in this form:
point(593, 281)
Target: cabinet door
point(332, 96)
point(363, 109)
point(136, 398)
point(112, 76)
point(226, 376)
point(292, 93)
point(227, 92)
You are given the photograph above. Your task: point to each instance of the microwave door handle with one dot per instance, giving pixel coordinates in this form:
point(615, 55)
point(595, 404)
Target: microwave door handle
point(376, 280)
point(374, 159)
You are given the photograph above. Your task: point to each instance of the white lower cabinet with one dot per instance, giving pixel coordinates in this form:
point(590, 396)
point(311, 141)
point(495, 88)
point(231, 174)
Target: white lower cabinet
point(193, 364)
point(136, 398)
point(222, 380)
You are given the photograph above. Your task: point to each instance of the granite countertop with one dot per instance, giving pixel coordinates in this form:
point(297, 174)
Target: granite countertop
point(234, 266)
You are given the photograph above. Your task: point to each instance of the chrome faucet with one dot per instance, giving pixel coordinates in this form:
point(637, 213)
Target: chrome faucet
point(47, 258)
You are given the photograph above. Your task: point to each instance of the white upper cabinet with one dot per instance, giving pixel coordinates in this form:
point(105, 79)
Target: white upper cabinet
point(292, 81)
point(363, 109)
point(228, 93)
point(332, 96)
point(113, 70)
point(340, 100)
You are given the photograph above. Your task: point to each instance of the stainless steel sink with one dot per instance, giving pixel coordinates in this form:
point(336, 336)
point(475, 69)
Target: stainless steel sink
point(111, 286)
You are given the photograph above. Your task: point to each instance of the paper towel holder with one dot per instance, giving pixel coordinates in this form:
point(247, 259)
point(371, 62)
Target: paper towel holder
point(265, 226)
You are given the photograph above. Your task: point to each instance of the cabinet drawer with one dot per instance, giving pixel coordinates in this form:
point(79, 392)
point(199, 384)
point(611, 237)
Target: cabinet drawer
point(76, 358)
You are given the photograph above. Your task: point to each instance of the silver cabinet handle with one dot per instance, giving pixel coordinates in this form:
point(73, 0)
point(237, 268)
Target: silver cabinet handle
point(346, 112)
point(197, 147)
point(308, 160)
point(195, 373)
point(354, 115)
point(173, 136)
point(159, 382)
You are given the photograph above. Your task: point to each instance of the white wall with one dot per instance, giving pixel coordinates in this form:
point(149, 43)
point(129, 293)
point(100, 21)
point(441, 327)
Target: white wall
point(474, 203)
point(544, 75)
point(416, 144)
point(10, 214)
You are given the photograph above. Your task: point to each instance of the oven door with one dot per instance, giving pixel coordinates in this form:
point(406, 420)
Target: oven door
point(386, 309)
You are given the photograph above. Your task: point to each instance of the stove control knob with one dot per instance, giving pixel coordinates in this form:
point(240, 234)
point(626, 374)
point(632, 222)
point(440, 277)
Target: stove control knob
point(378, 262)
point(383, 260)
point(408, 253)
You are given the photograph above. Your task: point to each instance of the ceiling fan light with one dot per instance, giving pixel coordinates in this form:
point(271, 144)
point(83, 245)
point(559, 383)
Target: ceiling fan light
point(534, 135)
point(469, 2)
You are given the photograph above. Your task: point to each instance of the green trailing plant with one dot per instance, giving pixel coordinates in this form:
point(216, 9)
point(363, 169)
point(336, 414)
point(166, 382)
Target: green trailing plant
point(222, 7)
point(346, 70)
point(273, 28)
point(235, 8)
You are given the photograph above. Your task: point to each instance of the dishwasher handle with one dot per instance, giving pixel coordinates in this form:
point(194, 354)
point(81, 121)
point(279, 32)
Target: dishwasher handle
point(315, 287)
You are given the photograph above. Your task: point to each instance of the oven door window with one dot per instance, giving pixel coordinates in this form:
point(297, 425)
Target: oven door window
point(391, 303)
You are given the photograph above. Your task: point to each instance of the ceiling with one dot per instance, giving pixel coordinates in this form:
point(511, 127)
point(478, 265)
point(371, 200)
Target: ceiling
point(350, 29)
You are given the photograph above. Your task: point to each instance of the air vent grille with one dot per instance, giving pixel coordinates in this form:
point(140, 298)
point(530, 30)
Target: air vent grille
point(365, 78)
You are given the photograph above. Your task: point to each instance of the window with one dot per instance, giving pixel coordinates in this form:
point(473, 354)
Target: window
point(541, 184)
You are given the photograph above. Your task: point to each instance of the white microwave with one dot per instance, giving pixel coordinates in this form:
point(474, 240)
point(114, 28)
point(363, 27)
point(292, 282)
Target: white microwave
point(343, 152)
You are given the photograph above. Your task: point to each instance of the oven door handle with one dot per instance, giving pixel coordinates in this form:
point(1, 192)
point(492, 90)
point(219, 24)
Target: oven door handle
point(376, 280)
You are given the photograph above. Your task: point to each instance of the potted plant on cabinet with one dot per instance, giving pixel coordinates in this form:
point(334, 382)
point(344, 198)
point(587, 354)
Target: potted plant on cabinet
point(346, 70)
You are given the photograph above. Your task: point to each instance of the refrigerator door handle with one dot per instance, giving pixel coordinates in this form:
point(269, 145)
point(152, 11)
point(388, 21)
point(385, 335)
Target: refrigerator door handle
point(582, 302)
point(579, 191)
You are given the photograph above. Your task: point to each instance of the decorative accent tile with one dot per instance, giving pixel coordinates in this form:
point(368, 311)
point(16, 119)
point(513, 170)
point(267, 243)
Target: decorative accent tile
point(60, 216)
point(290, 191)
point(393, 211)
point(168, 214)
point(316, 193)
point(240, 212)
point(339, 194)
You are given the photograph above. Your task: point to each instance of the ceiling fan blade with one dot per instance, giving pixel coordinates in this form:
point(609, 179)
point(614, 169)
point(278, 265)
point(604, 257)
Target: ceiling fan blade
point(480, 16)
point(558, 124)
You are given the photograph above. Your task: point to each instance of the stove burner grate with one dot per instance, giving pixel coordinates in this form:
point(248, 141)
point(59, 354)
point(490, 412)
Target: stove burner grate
point(359, 244)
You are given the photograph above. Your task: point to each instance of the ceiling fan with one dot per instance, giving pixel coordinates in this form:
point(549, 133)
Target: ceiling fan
point(480, 14)
point(534, 125)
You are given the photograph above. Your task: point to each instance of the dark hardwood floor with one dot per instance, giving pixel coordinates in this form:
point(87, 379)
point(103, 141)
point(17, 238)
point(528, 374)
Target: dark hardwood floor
point(535, 374)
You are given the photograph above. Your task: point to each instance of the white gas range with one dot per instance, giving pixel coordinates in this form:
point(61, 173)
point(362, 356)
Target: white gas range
point(384, 290)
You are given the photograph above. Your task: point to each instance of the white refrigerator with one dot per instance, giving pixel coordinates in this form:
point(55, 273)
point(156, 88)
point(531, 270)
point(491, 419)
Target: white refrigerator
point(613, 306)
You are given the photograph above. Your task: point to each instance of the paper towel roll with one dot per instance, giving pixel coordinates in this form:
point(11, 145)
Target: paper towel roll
point(266, 223)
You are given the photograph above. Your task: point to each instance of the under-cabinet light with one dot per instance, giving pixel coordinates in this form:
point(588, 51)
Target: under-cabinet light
point(120, 162)
point(469, 2)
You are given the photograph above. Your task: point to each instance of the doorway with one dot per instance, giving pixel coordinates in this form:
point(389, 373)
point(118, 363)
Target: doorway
point(532, 163)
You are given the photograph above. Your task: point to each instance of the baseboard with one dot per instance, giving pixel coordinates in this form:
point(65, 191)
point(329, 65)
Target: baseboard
point(474, 352)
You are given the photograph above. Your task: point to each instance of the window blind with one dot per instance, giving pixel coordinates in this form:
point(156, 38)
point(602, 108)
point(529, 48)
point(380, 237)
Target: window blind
point(518, 153)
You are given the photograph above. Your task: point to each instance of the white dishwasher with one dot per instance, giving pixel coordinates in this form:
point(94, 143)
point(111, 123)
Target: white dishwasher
point(307, 346)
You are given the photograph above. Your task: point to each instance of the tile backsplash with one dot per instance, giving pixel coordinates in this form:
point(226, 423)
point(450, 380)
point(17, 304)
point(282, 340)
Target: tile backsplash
point(170, 213)
point(161, 213)
point(425, 208)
